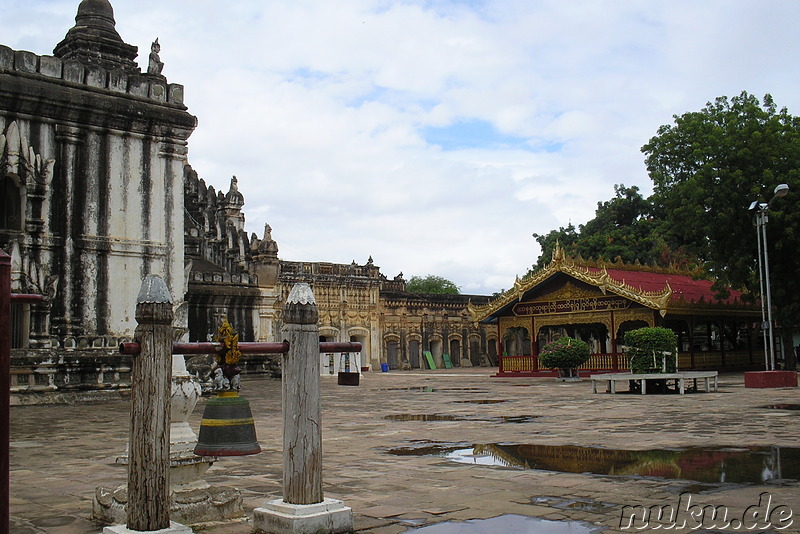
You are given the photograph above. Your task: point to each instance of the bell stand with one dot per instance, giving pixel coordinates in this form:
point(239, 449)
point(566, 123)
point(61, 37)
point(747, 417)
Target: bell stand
point(133, 348)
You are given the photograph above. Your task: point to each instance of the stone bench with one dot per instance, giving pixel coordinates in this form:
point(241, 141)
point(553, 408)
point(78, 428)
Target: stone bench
point(679, 377)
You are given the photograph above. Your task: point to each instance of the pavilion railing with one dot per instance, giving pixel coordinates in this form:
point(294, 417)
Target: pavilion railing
point(530, 363)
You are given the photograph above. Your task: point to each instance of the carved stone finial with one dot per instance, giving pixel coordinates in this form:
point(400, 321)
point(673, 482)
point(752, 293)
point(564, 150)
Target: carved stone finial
point(155, 66)
point(153, 291)
point(301, 306)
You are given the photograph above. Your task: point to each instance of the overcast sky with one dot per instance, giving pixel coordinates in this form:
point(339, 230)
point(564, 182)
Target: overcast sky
point(437, 136)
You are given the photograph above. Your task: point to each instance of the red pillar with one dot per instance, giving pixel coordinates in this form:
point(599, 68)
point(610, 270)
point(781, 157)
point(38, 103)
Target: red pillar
point(5, 388)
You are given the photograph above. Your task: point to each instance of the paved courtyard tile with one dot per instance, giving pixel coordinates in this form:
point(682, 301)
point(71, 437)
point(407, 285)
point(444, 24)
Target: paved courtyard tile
point(389, 446)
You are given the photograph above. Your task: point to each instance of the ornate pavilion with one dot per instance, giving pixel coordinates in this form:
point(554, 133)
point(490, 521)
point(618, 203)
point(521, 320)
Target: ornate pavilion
point(599, 302)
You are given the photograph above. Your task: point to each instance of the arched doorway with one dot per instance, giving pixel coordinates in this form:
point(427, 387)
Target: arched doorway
point(595, 334)
point(491, 349)
point(455, 352)
point(393, 354)
point(414, 354)
point(517, 341)
point(10, 204)
point(475, 351)
point(436, 352)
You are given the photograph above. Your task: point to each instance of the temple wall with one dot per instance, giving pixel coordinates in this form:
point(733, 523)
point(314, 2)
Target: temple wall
point(111, 207)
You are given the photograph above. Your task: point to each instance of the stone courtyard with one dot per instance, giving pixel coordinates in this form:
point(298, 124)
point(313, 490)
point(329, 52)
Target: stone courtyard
point(389, 444)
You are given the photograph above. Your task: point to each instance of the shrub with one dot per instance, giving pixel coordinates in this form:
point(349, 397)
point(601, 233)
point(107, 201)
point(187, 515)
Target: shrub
point(645, 348)
point(564, 353)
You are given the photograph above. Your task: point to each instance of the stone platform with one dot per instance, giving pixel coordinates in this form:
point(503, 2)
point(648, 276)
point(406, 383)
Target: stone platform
point(60, 454)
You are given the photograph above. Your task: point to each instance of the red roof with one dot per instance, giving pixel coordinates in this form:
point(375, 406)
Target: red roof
point(683, 286)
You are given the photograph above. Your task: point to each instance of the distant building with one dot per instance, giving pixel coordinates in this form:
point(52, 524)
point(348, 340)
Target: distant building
point(599, 302)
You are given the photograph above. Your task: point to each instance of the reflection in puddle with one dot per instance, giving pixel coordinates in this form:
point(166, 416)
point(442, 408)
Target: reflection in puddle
point(782, 407)
point(430, 417)
point(425, 417)
point(585, 505)
point(509, 523)
point(480, 401)
point(431, 389)
point(700, 464)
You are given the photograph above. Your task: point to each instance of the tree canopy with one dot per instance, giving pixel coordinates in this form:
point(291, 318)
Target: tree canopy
point(431, 284)
point(623, 227)
point(707, 168)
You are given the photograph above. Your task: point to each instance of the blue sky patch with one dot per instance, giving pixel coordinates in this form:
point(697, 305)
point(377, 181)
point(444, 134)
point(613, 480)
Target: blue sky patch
point(471, 133)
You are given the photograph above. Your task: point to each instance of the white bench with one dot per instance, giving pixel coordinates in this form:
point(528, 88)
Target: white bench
point(679, 377)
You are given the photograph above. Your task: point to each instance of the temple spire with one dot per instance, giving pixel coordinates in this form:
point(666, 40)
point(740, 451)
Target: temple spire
point(95, 41)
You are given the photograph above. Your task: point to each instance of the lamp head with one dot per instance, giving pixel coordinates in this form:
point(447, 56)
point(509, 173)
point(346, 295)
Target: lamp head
point(781, 190)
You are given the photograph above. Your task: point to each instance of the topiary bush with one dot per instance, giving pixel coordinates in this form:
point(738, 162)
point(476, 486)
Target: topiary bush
point(564, 353)
point(645, 348)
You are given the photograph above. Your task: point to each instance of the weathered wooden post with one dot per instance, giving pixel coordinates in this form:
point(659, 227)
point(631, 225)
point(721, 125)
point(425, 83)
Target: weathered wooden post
point(5, 388)
point(303, 507)
point(148, 457)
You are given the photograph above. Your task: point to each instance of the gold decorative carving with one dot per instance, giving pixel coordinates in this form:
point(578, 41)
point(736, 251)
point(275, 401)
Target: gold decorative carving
point(574, 318)
point(634, 315)
point(512, 322)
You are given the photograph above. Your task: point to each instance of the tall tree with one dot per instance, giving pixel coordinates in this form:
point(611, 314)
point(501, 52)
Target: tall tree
point(623, 227)
point(708, 167)
point(431, 284)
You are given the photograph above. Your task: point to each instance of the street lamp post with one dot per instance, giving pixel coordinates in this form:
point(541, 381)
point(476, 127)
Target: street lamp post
point(761, 209)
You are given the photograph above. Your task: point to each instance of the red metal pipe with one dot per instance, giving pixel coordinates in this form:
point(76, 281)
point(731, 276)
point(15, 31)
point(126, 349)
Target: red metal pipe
point(25, 298)
point(335, 346)
point(5, 389)
point(247, 347)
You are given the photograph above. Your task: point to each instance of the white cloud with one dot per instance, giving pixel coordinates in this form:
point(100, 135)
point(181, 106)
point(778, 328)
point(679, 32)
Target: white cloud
point(320, 109)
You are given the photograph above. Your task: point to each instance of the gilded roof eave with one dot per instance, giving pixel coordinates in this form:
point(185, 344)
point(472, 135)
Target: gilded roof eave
point(660, 301)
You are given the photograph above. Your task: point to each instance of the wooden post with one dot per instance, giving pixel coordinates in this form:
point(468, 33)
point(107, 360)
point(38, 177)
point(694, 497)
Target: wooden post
point(5, 388)
point(148, 468)
point(302, 434)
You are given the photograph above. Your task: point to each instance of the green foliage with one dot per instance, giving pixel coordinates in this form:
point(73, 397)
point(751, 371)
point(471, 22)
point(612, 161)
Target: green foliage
point(623, 228)
point(645, 348)
point(564, 353)
point(708, 167)
point(431, 284)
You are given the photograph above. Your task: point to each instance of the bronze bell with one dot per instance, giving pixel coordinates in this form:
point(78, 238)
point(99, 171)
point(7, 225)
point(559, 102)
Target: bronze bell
point(227, 428)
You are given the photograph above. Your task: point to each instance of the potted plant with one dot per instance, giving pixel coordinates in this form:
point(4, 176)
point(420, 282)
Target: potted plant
point(565, 354)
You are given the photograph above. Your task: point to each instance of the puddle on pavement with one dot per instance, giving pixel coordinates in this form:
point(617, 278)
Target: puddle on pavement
point(707, 465)
point(425, 417)
point(782, 407)
point(509, 523)
point(480, 401)
point(585, 505)
point(432, 389)
point(433, 417)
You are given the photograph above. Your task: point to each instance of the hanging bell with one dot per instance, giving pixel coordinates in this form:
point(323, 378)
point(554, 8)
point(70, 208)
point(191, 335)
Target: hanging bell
point(227, 427)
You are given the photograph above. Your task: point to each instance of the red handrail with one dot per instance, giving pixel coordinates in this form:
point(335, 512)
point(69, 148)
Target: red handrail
point(246, 347)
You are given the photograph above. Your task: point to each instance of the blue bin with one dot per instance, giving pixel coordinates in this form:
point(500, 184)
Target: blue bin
point(385, 367)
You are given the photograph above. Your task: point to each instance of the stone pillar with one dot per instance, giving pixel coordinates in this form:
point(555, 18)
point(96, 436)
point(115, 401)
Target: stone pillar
point(303, 507)
point(69, 140)
point(148, 468)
